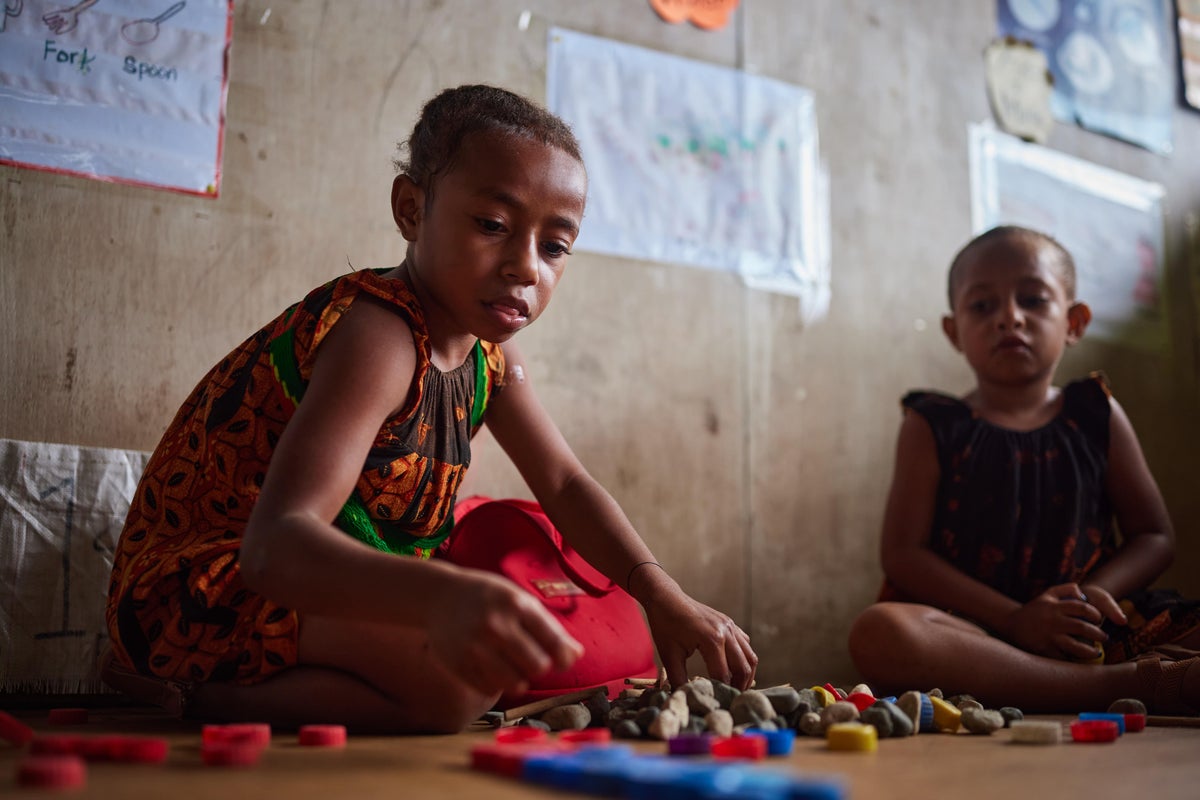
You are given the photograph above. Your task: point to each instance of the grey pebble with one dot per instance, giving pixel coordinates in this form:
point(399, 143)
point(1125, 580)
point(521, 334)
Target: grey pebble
point(724, 693)
point(1011, 715)
point(531, 722)
point(901, 724)
point(751, 703)
point(841, 711)
point(719, 722)
point(627, 729)
point(910, 704)
point(572, 717)
point(810, 724)
point(1127, 705)
point(784, 699)
point(879, 718)
point(645, 718)
point(657, 698)
point(982, 721)
point(811, 699)
point(599, 707)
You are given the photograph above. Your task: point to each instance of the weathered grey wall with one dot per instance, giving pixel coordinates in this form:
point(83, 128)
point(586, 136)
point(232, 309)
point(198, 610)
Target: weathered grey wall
point(753, 453)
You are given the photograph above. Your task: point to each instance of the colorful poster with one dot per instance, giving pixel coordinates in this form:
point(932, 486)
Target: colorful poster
point(696, 164)
point(1188, 16)
point(1111, 61)
point(1111, 223)
point(131, 91)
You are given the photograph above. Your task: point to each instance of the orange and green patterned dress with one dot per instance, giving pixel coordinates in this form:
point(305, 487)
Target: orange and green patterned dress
point(177, 605)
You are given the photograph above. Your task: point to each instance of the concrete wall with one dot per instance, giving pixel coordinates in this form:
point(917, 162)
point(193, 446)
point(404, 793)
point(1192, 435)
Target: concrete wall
point(753, 453)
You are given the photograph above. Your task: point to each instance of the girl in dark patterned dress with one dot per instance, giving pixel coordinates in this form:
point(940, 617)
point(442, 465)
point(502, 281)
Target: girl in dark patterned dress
point(1023, 527)
point(274, 565)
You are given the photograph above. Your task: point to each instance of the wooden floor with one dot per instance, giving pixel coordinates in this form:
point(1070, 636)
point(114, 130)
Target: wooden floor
point(1155, 764)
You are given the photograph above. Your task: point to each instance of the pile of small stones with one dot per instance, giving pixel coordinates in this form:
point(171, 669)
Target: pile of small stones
point(704, 705)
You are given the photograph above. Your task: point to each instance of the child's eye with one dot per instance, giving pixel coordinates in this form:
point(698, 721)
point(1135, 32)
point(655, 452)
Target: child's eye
point(979, 306)
point(489, 225)
point(556, 249)
point(1033, 301)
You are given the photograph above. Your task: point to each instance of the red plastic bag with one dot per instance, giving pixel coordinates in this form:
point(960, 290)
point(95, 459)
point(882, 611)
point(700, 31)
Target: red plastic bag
point(516, 539)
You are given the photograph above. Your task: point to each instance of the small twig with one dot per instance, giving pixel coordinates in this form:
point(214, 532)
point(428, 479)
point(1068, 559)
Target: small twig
point(1173, 722)
point(538, 706)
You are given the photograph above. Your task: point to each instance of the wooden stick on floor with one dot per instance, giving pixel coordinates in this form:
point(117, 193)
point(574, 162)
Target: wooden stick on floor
point(538, 706)
point(1172, 722)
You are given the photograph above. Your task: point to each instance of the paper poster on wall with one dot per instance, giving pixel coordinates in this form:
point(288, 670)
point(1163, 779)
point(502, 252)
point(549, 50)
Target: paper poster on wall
point(1188, 16)
point(130, 91)
point(696, 164)
point(1111, 223)
point(1111, 61)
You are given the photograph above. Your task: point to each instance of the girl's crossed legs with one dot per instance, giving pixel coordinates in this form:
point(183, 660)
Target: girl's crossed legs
point(904, 646)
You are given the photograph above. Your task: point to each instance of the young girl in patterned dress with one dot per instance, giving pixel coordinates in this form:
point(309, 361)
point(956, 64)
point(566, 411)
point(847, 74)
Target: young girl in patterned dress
point(1005, 575)
point(247, 586)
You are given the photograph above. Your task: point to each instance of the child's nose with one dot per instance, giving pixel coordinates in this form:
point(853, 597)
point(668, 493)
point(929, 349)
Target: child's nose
point(1011, 315)
point(522, 262)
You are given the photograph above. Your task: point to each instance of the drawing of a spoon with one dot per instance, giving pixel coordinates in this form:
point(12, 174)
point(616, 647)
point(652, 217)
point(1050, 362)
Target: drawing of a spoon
point(143, 31)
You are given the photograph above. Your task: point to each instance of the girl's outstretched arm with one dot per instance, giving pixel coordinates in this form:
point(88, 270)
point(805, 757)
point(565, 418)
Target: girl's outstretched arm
point(1148, 540)
point(482, 627)
point(1045, 625)
point(595, 525)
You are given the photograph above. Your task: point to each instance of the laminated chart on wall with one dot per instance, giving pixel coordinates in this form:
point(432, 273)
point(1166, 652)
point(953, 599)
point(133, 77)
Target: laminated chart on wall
point(1188, 16)
point(131, 91)
point(695, 164)
point(1112, 62)
point(1112, 223)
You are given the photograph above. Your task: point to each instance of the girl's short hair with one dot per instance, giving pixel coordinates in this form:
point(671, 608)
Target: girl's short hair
point(454, 113)
point(1003, 232)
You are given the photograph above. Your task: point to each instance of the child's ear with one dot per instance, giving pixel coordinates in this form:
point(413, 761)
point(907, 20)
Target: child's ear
point(1078, 317)
point(408, 204)
point(950, 328)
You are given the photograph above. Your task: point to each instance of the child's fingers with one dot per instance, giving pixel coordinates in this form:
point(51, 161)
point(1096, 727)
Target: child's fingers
point(1081, 609)
point(549, 636)
point(742, 660)
point(1073, 626)
point(714, 651)
point(1074, 648)
point(1106, 605)
point(674, 661)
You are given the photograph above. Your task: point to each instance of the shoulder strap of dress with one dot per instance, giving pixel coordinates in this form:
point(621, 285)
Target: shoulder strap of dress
point(479, 404)
point(946, 415)
point(1086, 405)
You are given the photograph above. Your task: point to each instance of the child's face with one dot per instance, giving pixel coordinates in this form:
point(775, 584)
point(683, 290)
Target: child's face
point(492, 243)
point(1012, 317)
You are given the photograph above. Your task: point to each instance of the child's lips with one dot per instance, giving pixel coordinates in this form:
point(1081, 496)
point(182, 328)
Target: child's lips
point(1012, 343)
point(513, 312)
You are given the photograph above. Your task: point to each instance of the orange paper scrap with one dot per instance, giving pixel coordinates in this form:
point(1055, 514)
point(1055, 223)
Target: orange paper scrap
point(707, 14)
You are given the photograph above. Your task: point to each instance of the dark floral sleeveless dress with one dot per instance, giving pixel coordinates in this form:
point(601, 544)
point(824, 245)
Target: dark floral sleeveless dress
point(177, 606)
point(1022, 511)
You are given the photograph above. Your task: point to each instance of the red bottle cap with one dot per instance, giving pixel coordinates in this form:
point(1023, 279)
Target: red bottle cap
point(14, 731)
point(52, 772)
point(230, 754)
point(587, 736)
point(323, 735)
point(67, 716)
point(520, 733)
point(748, 747)
point(1094, 730)
point(255, 733)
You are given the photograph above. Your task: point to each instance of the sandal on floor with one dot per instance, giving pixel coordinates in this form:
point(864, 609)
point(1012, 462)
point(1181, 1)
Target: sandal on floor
point(171, 696)
point(1161, 685)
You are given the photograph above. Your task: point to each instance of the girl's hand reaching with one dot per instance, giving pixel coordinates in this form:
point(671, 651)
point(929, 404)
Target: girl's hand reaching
point(1059, 623)
point(1104, 602)
point(681, 626)
point(494, 636)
